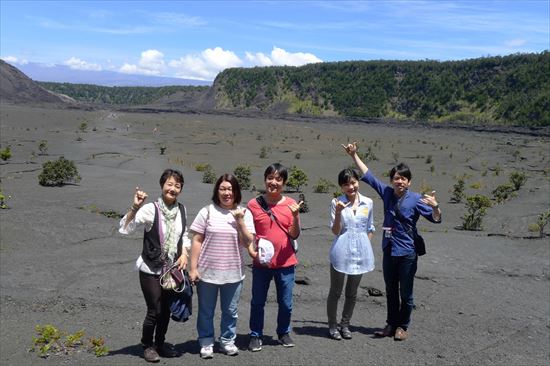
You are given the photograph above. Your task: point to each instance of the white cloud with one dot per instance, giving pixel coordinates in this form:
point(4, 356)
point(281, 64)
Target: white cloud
point(280, 57)
point(78, 64)
point(516, 42)
point(259, 59)
point(14, 60)
point(150, 63)
point(206, 65)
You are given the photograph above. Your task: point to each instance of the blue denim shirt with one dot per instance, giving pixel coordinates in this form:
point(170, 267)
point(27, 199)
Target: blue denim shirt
point(411, 209)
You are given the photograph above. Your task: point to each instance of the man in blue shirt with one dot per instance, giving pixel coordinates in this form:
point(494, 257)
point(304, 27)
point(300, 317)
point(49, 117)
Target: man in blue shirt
point(402, 209)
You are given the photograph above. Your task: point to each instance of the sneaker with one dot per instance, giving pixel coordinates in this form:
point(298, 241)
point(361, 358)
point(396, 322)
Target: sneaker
point(400, 334)
point(207, 352)
point(286, 341)
point(150, 354)
point(255, 344)
point(334, 334)
point(346, 333)
point(229, 349)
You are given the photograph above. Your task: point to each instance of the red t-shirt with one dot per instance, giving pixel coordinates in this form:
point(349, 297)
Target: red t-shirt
point(266, 228)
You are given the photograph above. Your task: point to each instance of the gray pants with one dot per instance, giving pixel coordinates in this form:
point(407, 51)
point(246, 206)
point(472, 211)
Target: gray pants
point(336, 286)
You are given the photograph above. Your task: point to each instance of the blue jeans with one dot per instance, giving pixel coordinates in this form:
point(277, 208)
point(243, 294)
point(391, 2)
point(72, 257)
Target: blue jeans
point(229, 303)
point(284, 283)
point(399, 274)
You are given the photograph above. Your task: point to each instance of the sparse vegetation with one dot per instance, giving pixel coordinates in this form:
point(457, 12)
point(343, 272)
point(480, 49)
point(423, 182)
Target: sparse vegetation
point(323, 186)
point(542, 220)
point(3, 199)
point(502, 192)
point(458, 190)
point(201, 167)
point(296, 179)
point(477, 208)
point(208, 175)
point(58, 172)
point(43, 147)
point(242, 173)
point(49, 340)
point(5, 154)
point(517, 179)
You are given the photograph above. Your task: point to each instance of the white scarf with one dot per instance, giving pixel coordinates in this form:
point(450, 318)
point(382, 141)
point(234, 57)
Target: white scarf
point(170, 244)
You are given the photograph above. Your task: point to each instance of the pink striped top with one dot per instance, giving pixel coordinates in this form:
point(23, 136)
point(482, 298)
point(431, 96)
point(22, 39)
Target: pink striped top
point(221, 257)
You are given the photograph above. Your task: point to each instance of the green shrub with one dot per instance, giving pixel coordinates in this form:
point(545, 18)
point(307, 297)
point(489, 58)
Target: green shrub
point(477, 208)
point(242, 173)
point(542, 221)
point(58, 172)
point(49, 341)
point(503, 192)
point(208, 176)
point(3, 199)
point(5, 154)
point(458, 190)
point(323, 186)
point(369, 155)
point(202, 167)
point(517, 179)
point(43, 147)
point(297, 179)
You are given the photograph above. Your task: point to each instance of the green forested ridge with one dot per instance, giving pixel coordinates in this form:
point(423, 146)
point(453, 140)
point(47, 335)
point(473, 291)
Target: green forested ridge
point(124, 95)
point(513, 89)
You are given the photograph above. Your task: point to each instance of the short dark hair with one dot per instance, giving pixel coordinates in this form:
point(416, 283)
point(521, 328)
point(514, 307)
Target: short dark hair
point(403, 170)
point(346, 175)
point(235, 188)
point(277, 168)
point(171, 173)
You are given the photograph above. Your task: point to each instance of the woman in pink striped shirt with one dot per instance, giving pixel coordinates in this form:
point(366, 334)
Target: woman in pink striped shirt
point(220, 231)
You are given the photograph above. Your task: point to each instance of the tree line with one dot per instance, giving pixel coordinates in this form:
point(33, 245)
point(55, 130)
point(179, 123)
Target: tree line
point(510, 90)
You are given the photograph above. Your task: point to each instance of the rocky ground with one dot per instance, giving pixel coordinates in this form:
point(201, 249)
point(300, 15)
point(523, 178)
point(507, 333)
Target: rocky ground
point(481, 297)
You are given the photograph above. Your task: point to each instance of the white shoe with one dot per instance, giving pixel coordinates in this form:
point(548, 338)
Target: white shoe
point(207, 352)
point(229, 349)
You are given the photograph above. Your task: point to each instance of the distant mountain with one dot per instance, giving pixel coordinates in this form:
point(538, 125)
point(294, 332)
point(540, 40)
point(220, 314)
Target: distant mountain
point(64, 74)
point(16, 87)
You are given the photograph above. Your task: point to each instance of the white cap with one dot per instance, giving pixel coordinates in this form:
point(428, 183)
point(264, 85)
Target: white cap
point(265, 251)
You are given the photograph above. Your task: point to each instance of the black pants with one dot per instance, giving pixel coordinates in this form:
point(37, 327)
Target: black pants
point(158, 310)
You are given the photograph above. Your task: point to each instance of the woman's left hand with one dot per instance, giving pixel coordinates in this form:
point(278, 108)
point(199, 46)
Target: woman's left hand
point(238, 213)
point(295, 208)
point(182, 261)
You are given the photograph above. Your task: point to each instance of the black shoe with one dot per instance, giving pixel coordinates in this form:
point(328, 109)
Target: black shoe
point(286, 341)
point(255, 344)
point(167, 351)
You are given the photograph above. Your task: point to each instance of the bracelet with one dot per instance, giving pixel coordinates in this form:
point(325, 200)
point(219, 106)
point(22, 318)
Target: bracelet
point(436, 206)
point(134, 208)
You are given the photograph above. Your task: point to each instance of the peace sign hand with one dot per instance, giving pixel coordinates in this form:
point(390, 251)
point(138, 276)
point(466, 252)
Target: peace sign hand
point(341, 205)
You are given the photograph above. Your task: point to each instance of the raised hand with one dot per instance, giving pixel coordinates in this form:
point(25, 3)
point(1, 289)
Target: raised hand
point(238, 213)
point(341, 205)
point(139, 197)
point(429, 199)
point(351, 149)
point(295, 208)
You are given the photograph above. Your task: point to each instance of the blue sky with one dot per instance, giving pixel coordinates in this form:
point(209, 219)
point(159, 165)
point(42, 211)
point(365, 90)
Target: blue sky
point(198, 39)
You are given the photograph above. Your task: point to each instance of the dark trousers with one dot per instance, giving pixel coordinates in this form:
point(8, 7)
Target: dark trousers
point(336, 286)
point(158, 310)
point(399, 274)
